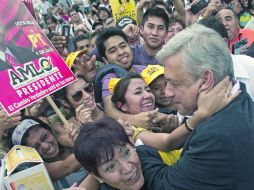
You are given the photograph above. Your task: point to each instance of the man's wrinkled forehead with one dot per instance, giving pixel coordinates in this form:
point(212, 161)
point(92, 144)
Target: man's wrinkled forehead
point(226, 13)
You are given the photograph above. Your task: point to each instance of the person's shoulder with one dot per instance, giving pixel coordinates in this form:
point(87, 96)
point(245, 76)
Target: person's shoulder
point(138, 68)
point(247, 33)
point(136, 48)
point(147, 151)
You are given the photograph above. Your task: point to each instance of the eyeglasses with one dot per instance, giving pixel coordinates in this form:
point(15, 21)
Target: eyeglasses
point(79, 94)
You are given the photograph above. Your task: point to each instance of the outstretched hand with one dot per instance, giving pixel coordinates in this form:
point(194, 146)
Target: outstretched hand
point(215, 99)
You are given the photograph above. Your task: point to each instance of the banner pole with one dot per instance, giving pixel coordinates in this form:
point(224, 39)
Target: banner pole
point(56, 109)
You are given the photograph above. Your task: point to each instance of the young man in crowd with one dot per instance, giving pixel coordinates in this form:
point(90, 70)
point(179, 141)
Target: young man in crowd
point(77, 22)
point(154, 31)
point(81, 42)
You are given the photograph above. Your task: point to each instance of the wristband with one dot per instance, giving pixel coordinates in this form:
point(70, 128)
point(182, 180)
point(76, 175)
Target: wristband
point(137, 131)
point(187, 125)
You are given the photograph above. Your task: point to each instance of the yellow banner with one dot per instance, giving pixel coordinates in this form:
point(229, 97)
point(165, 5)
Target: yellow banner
point(121, 8)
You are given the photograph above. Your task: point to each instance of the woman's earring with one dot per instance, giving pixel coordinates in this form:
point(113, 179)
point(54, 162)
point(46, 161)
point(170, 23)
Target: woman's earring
point(101, 181)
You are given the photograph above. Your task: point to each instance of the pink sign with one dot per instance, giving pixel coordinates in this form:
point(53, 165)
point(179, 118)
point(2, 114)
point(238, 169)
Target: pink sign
point(30, 67)
point(29, 6)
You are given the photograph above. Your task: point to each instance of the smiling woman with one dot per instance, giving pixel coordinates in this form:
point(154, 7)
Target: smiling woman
point(104, 149)
point(80, 96)
point(60, 162)
point(132, 95)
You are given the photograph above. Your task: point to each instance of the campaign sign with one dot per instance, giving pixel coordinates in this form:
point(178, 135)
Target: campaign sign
point(29, 6)
point(121, 8)
point(30, 67)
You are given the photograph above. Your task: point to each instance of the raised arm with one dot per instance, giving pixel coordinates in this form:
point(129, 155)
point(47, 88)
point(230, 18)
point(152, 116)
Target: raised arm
point(143, 119)
point(62, 168)
point(209, 102)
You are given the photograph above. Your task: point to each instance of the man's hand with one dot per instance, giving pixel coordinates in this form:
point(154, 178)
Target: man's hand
point(167, 123)
point(210, 9)
point(244, 49)
point(59, 42)
point(131, 30)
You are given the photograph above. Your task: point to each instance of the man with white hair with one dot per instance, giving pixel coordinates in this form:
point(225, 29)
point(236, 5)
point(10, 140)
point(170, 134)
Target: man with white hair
point(219, 153)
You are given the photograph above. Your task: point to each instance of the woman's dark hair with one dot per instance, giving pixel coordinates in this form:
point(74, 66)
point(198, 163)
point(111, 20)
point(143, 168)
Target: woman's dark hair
point(51, 18)
point(104, 35)
point(97, 141)
point(27, 133)
point(121, 88)
point(103, 9)
point(96, 23)
point(62, 93)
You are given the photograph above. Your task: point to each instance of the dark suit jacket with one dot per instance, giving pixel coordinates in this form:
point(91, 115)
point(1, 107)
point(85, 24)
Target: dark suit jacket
point(4, 65)
point(22, 54)
point(218, 155)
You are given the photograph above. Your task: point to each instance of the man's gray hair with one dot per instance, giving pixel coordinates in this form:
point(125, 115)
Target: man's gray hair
point(201, 49)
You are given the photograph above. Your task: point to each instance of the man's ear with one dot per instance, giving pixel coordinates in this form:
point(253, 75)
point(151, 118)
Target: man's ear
point(105, 60)
point(141, 30)
point(207, 80)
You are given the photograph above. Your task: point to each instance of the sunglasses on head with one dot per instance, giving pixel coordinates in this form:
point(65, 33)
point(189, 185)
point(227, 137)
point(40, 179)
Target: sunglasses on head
point(79, 94)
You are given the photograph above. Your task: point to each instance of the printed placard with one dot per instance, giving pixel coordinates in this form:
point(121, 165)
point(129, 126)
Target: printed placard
point(30, 67)
point(121, 8)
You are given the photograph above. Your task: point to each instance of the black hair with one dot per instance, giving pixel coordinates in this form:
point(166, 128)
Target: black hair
point(103, 9)
point(250, 4)
point(51, 17)
point(80, 38)
point(120, 1)
point(92, 35)
point(104, 35)
point(215, 24)
point(95, 24)
point(97, 141)
point(121, 88)
point(227, 7)
point(156, 12)
point(76, 8)
point(160, 2)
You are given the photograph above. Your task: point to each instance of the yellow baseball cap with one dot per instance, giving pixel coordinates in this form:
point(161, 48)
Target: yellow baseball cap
point(72, 56)
point(112, 84)
point(151, 72)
